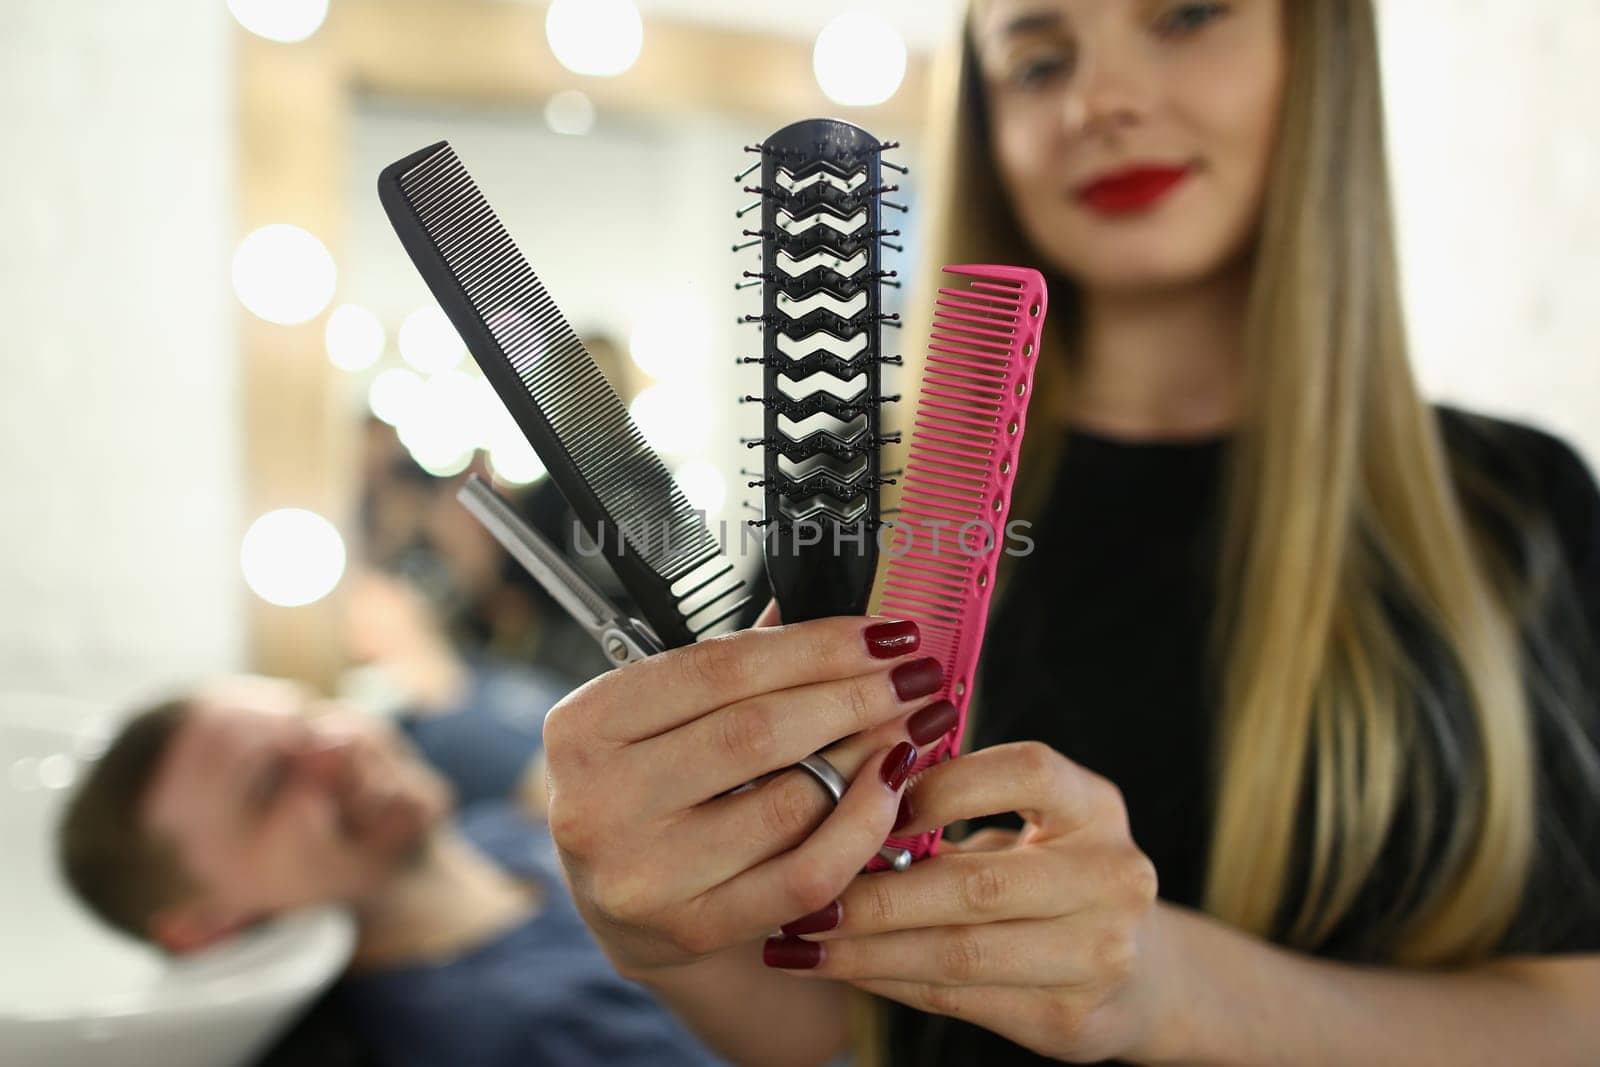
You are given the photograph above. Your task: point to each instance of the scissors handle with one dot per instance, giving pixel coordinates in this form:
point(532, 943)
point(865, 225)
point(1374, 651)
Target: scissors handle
point(628, 641)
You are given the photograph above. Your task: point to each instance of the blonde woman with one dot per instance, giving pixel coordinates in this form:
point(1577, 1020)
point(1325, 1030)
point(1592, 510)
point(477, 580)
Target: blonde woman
point(1315, 658)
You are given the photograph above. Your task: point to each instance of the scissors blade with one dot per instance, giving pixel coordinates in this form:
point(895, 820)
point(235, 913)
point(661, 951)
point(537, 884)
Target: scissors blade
point(579, 596)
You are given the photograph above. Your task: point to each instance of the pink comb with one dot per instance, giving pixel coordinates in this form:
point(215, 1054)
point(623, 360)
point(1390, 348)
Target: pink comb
point(963, 459)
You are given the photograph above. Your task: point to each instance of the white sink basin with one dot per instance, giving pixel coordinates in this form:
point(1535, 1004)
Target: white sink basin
point(75, 994)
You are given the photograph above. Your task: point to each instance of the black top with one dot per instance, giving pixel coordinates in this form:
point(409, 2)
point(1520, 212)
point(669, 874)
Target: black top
point(1098, 649)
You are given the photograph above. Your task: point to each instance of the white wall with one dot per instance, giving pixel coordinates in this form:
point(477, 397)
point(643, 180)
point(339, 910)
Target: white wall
point(118, 429)
point(1496, 152)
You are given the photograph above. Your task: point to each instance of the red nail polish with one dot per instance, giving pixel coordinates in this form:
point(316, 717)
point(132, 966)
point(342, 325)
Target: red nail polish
point(886, 640)
point(907, 814)
point(917, 678)
point(822, 919)
point(791, 954)
point(897, 765)
point(931, 723)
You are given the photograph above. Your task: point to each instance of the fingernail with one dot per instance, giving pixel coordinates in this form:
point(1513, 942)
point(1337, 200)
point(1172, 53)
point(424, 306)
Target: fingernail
point(791, 953)
point(917, 678)
point(931, 723)
point(897, 766)
point(821, 919)
point(886, 640)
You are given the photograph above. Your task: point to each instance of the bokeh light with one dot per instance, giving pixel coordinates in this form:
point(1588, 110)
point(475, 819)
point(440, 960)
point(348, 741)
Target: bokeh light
point(569, 112)
point(57, 771)
point(280, 20)
point(513, 461)
point(393, 394)
point(429, 342)
point(292, 557)
point(675, 419)
point(671, 338)
point(445, 426)
point(859, 59)
point(601, 38)
point(355, 337)
point(703, 484)
point(283, 274)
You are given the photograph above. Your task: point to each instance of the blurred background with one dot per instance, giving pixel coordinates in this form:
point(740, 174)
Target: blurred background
point(233, 419)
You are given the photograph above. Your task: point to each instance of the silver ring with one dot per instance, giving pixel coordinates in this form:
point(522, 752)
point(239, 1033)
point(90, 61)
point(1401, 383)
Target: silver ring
point(834, 783)
point(827, 774)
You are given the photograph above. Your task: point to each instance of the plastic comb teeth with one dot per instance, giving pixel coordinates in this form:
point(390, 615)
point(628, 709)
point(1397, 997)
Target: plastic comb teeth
point(821, 197)
point(960, 468)
point(622, 493)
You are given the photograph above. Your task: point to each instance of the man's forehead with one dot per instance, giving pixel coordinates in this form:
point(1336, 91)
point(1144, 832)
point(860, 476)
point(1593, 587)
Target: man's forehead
point(207, 750)
point(252, 692)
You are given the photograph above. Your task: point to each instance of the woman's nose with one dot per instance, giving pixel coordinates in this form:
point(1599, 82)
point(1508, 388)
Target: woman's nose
point(1108, 91)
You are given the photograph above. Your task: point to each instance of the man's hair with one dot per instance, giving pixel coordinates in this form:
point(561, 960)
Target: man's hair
point(122, 871)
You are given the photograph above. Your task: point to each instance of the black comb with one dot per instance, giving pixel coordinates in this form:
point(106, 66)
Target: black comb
point(821, 193)
point(624, 496)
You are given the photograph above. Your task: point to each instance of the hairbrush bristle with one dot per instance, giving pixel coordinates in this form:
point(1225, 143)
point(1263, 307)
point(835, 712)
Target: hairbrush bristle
point(822, 319)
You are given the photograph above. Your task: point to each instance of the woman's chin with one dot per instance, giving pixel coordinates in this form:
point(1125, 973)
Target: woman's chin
point(1152, 265)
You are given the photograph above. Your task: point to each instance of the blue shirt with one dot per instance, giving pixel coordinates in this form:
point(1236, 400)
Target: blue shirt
point(541, 993)
point(484, 744)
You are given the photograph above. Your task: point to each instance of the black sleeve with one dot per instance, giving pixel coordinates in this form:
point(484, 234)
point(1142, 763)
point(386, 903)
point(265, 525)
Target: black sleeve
point(1565, 898)
point(1574, 501)
point(1556, 549)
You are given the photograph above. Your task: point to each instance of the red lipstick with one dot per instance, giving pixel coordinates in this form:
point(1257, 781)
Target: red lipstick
point(1134, 189)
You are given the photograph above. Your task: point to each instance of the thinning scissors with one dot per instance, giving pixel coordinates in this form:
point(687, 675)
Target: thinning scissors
point(623, 638)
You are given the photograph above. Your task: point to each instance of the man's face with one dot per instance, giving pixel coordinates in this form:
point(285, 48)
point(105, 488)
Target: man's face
point(269, 809)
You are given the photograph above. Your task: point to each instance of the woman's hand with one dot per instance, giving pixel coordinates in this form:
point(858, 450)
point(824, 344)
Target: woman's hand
point(1043, 936)
point(668, 859)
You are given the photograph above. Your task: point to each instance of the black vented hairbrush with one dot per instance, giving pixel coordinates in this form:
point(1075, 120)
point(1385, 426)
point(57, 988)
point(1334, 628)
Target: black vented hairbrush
point(623, 494)
point(821, 192)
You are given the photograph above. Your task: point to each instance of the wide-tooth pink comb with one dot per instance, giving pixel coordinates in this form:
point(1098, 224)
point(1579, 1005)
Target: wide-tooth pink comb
point(962, 462)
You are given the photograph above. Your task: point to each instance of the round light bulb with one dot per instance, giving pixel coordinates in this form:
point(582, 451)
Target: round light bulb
point(280, 20)
point(672, 338)
point(393, 394)
point(859, 59)
point(292, 557)
point(514, 461)
point(355, 337)
point(703, 484)
point(429, 342)
point(601, 38)
point(569, 112)
point(675, 419)
point(444, 427)
point(283, 274)
point(57, 771)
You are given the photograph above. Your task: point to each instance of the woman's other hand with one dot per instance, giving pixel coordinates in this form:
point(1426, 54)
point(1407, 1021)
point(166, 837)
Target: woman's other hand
point(1044, 936)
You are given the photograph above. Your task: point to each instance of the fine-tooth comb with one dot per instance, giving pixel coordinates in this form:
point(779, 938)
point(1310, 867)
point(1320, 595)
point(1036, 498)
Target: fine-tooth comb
point(965, 438)
point(821, 193)
point(623, 495)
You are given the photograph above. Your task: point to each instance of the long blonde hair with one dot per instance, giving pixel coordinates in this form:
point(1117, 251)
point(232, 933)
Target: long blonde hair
point(1338, 494)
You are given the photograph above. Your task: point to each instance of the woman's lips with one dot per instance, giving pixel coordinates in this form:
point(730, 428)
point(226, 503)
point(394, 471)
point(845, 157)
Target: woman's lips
point(1131, 190)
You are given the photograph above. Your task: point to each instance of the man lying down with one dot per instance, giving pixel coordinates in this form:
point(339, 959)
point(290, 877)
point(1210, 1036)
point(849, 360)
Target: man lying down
point(247, 799)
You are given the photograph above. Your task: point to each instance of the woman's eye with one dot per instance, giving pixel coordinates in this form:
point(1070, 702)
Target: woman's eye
point(1187, 18)
point(1034, 72)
